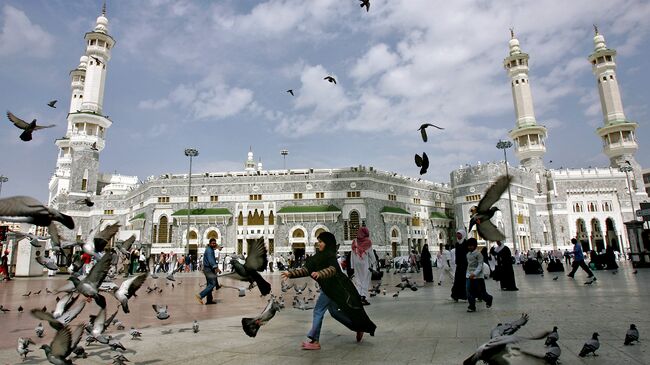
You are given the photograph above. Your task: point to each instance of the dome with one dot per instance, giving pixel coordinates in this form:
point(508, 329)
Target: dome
point(83, 61)
point(102, 24)
point(599, 42)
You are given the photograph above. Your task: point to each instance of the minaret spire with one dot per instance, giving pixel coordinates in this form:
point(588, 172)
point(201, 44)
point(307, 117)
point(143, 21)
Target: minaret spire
point(528, 136)
point(104, 8)
point(595, 29)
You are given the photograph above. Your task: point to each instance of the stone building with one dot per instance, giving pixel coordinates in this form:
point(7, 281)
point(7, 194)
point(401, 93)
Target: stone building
point(551, 206)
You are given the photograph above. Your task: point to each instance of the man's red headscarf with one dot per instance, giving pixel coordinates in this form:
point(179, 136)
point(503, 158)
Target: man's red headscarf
point(362, 243)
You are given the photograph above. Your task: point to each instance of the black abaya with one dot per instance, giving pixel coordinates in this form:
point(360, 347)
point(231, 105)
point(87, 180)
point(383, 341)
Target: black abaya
point(458, 290)
point(504, 267)
point(425, 261)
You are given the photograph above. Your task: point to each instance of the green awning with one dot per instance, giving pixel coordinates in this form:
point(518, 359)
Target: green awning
point(137, 216)
point(438, 215)
point(309, 209)
point(394, 210)
point(202, 211)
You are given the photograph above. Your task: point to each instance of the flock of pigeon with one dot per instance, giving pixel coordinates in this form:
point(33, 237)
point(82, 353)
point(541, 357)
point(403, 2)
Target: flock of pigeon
point(502, 341)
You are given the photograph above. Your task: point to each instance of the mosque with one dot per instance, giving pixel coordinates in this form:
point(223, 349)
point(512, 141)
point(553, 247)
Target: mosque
point(290, 207)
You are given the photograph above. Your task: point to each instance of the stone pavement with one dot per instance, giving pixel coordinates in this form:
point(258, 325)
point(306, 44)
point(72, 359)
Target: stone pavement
point(422, 327)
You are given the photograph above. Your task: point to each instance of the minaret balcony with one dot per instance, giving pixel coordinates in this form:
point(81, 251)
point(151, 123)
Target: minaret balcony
point(81, 141)
point(89, 117)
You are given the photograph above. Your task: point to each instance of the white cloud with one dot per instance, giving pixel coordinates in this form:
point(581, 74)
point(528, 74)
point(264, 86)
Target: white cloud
point(19, 36)
point(378, 59)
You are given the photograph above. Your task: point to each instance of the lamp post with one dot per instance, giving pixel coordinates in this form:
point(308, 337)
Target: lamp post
point(504, 145)
point(3, 179)
point(284, 154)
point(626, 169)
point(189, 152)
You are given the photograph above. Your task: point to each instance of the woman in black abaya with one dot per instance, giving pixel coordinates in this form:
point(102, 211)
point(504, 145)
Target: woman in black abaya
point(506, 274)
point(425, 261)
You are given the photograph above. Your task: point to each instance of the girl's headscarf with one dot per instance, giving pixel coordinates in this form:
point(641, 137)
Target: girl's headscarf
point(323, 259)
point(362, 243)
point(462, 233)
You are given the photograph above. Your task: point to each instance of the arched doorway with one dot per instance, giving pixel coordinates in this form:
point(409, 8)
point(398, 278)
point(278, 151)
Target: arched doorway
point(394, 241)
point(611, 236)
point(597, 236)
point(581, 234)
point(163, 230)
point(298, 241)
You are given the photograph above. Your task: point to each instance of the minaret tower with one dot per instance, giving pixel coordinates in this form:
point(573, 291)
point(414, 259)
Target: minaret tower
point(529, 137)
point(619, 141)
point(249, 166)
point(78, 162)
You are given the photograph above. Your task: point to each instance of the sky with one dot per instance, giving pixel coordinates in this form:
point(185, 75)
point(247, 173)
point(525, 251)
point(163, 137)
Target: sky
point(213, 75)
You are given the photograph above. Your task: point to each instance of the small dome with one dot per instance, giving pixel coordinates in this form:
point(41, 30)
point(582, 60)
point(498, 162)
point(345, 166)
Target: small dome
point(83, 61)
point(514, 46)
point(102, 24)
point(599, 42)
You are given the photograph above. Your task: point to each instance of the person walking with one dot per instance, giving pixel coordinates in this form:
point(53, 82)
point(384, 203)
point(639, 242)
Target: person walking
point(210, 270)
point(503, 272)
point(5, 266)
point(338, 294)
point(567, 257)
point(425, 260)
point(579, 261)
point(362, 260)
point(475, 282)
point(443, 262)
point(459, 290)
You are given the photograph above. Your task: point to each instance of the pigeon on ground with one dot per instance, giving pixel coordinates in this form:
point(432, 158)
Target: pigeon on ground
point(28, 128)
point(195, 326)
point(27, 294)
point(39, 330)
point(52, 103)
point(553, 336)
point(62, 345)
point(555, 278)
point(23, 346)
point(423, 130)
point(590, 346)
point(552, 354)
point(120, 360)
point(256, 261)
point(161, 311)
point(252, 325)
point(396, 295)
point(38, 292)
point(422, 162)
point(290, 91)
point(365, 3)
point(493, 351)
point(330, 79)
point(590, 282)
point(631, 335)
point(614, 272)
point(135, 333)
point(3, 309)
point(299, 290)
point(284, 287)
point(506, 329)
point(20, 309)
point(25, 209)
point(48, 291)
point(115, 345)
point(128, 289)
point(483, 212)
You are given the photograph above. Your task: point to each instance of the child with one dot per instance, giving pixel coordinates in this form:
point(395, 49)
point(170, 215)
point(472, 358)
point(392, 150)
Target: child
point(338, 295)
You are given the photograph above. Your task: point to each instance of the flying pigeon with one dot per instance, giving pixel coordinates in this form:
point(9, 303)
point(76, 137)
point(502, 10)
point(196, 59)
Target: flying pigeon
point(128, 289)
point(423, 130)
point(255, 261)
point(493, 351)
point(94, 148)
point(252, 325)
point(422, 162)
point(553, 336)
point(28, 128)
point(631, 335)
point(365, 3)
point(590, 346)
point(482, 213)
point(23, 346)
point(102, 237)
point(330, 79)
point(89, 286)
point(99, 324)
point(59, 322)
point(51, 104)
point(506, 329)
point(48, 264)
point(99, 62)
point(290, 91)
point(161, 311)
point(33, 239)
point(29, 210)
point(62, 345)
point(86, 201)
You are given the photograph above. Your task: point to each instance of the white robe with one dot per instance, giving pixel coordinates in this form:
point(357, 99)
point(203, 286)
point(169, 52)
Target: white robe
point(362, 274)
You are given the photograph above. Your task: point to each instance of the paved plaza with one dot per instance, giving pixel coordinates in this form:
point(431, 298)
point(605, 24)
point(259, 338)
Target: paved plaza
point(422, 327)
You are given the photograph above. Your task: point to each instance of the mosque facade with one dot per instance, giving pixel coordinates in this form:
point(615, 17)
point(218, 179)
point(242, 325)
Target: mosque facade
point(551, 206)
point(290, 207)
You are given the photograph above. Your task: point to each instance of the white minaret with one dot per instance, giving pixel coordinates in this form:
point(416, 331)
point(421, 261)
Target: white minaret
point(529, 137)
point(619, 141)
point(250, 166)
point(77, 167)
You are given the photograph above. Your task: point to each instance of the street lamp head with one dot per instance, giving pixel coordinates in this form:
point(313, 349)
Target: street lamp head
point(504, 145)
point(625, 168)
point(3, 179)
point(191, 152)
point(284, 152)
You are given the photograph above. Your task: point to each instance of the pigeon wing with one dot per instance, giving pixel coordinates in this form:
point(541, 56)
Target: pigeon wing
point(62, 343)
point(76, 335)
point(100, 270)
point(423, 132)
point(17, 121)
point(128, 243)
point(133, 284)
point(44, 126)
point(494, 192)
point(45, 316)
point(257, 259)
point(21, 206)
point(489, 231)
point(418, 160)
point(101, 239)
point(70, 315)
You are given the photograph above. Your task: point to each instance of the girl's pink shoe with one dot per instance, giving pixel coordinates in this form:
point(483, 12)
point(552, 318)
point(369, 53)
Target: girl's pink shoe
point(311, 345)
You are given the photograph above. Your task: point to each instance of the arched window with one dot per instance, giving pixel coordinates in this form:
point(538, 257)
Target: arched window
point(193, 235)
point(354, 224)
point(240, 219)
point(213, 234)
point(394, 233)
point(319, 231)
point(298, 233)
point(271, 218)
point(163, 230)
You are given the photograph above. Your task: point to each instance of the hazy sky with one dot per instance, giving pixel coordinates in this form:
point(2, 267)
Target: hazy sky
point(213, 74)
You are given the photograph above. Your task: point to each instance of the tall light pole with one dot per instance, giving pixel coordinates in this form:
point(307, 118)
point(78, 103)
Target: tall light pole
point(504, 145)
point(626, 169)
point(284, 154)
point(3, 179)
point(189, 152)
